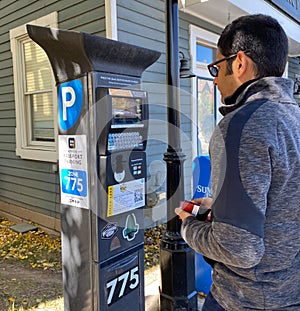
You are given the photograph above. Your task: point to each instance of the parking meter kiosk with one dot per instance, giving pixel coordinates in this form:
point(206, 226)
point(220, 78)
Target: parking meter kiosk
point(102, 119)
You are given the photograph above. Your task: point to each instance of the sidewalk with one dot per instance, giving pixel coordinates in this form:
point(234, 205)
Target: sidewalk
point(152, 284)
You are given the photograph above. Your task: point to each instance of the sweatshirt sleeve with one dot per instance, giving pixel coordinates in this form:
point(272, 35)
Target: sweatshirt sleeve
point(223, 243)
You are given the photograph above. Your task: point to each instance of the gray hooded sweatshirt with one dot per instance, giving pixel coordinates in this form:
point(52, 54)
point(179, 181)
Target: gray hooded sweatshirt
point(254, 237)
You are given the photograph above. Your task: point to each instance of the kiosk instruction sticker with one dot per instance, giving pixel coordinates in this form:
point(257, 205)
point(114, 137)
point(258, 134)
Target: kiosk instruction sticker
point(126, 196)
point(73, 170)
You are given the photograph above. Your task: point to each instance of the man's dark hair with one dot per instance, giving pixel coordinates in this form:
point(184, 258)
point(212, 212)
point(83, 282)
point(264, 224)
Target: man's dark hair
point(263, 38)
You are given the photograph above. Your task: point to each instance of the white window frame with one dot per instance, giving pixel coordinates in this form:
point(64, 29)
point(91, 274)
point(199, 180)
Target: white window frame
point(111, 24)
point(198, 35)
point(41, 151)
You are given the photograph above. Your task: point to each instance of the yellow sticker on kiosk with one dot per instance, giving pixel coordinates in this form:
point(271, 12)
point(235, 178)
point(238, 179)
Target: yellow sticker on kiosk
point(110, 200)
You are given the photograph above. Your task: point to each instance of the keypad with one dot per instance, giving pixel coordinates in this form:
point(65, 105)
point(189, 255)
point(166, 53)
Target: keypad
point(122, 141)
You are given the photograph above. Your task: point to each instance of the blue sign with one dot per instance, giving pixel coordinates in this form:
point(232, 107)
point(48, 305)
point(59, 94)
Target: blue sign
point(70, 100)
point(201, 177)
point(74, 182)
point(202, 188)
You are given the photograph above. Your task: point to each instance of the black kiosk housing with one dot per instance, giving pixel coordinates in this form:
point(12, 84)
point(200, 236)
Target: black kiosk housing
point(102, 120)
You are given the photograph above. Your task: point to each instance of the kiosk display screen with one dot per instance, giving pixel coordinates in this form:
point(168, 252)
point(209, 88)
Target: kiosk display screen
point(126, 108)
point(126, 111)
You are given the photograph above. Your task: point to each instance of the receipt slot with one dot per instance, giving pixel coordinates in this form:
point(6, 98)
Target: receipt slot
point(102, 121)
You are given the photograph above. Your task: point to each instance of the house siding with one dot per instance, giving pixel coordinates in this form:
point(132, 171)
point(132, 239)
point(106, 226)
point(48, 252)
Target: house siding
point(33, 186)
point(25, 185)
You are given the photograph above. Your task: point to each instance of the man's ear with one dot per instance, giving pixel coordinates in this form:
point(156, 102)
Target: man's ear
point(243, 67)
point(241, 64)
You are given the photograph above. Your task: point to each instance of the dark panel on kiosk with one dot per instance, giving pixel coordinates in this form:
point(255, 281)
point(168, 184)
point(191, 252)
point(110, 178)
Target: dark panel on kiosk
point(121, 221)
point(124, 283)
point(125, 114)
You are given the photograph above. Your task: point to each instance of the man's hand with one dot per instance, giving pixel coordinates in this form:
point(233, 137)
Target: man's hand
point(181, 213)
point(204, 202)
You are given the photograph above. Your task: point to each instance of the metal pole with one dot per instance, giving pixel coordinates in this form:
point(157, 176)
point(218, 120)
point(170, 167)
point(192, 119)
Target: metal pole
point(176, 257)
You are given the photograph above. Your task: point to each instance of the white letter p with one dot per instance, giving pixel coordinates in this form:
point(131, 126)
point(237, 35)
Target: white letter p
point(67, 103)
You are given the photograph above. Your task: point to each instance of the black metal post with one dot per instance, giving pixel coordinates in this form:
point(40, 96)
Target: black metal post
point(176, 257)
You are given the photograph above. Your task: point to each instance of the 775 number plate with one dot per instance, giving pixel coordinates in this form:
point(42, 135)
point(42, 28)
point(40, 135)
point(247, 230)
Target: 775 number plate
point(122, 285)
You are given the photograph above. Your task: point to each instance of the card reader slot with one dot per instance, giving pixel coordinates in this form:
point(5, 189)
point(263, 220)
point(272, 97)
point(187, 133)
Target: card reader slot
point(121, 264)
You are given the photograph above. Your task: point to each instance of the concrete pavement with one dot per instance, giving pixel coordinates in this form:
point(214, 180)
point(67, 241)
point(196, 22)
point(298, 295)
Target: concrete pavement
point(152, 284)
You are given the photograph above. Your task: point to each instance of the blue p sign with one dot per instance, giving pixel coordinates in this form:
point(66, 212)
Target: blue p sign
point(70, 97)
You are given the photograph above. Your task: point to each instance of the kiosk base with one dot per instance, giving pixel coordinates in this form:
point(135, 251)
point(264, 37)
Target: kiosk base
point(123, 282)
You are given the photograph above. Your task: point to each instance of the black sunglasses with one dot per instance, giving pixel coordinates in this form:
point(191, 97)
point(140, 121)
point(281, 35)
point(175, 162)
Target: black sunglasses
point(214, 70)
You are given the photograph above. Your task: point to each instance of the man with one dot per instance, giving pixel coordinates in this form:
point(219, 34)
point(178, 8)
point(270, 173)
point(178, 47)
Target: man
point(253, 237)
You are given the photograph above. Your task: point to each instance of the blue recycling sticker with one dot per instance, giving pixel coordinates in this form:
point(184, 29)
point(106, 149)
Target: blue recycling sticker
point(70, 101)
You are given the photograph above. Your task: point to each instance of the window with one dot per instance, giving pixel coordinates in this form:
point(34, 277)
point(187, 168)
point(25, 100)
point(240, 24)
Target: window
point(205, 54)
point(205, 110)
point(35, 95)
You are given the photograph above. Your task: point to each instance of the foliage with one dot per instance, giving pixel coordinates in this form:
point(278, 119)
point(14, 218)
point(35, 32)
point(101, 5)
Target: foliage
point(34, 248)
point(152, 238)
point(42, 255)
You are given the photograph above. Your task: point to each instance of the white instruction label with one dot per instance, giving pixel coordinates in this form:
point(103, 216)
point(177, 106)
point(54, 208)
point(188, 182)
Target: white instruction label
point(126, 196)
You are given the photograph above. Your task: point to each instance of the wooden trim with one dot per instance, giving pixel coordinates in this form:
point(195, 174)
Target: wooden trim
point(19, 35)
point(111, 19)
point(17, 214)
